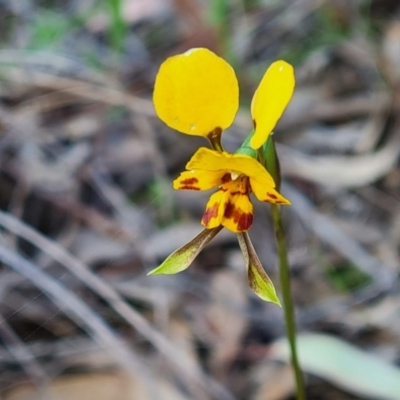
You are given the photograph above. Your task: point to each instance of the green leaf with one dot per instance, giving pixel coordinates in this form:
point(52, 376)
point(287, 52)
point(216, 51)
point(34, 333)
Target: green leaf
point(258, 279)
point(344, 365)
point(181, 259)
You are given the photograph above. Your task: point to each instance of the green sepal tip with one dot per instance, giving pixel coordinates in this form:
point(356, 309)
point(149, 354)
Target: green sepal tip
point(258, 279)
point(181, 258)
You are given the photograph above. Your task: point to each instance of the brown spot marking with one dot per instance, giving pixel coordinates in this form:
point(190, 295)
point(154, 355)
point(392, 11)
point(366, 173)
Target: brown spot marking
point(188, 184)
point(209, 214)
point(186, 187)
point(242, 220)
point(245, 222)
point(189, 181)
point(226, 178)
point(272, 196)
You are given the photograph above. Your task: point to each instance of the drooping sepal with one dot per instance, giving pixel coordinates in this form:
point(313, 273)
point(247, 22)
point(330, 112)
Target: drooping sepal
point(258, 279)
point(181, 259)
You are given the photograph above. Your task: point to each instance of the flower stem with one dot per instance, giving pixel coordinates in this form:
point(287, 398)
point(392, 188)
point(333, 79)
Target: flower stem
point(214, 138)
point(287, 299)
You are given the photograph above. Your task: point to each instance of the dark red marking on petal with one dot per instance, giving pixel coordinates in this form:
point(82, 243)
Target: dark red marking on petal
point(272, 196)
point(242, 220)
point(189, 181)
point(226, 178)
point(245, 222)
point(229, 210)
point(186, 187)
point(241, 191)
point(209, 214)
point(188, 184)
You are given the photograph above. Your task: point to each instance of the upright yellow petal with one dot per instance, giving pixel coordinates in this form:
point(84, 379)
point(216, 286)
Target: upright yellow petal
point(196, 92)
point(270, 100)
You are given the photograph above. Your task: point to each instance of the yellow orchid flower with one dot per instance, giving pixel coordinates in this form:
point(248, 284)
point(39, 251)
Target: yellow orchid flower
point(197, 93)
point(236, 175)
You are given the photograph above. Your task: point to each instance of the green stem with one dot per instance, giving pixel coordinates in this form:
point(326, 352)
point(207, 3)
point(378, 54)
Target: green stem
point(287, 299)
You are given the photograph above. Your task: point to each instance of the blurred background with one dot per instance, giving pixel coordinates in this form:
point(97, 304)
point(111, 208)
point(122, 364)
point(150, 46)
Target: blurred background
point(87, 208)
